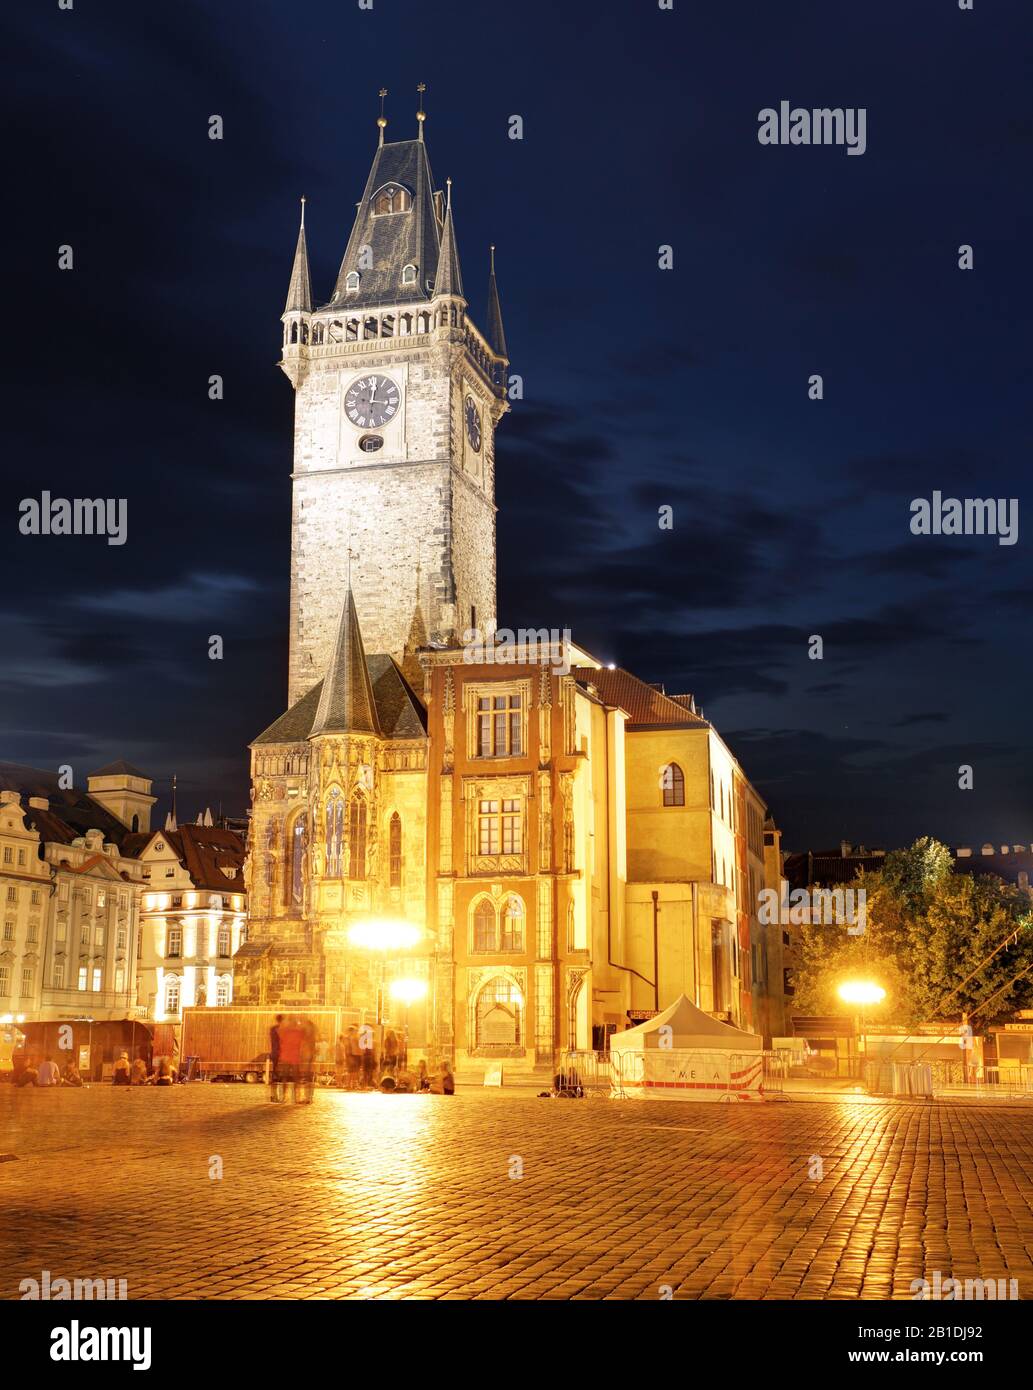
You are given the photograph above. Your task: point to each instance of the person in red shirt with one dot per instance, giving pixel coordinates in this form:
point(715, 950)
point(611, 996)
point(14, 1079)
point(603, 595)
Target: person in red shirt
point(292, 1037)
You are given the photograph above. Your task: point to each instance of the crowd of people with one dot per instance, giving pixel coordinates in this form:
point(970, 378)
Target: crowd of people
point(124, 1073)
point(296, 1057)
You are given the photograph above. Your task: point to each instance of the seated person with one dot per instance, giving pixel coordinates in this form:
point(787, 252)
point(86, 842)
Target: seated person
point(120, 1076)
point(70, 1076)
point(48, 1074)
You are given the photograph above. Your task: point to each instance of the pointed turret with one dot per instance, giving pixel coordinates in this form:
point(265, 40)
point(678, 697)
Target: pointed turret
point(448, 279)
point(496, 333)
point(346, 704)
point(299, 296)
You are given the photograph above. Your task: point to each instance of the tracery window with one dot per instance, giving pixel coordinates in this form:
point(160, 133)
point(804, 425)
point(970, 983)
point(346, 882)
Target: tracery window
point(296, 859)
point(334, 832)
point(394, 852)
point(499, 1014)
point(357, 837)
point(512, 937)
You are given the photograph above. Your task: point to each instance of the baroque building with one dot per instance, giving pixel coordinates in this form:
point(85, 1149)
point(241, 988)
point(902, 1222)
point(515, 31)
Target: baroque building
point(550, 849)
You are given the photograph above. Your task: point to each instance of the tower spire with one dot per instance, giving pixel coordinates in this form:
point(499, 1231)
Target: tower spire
point(382, 119)
point(421, 115)
point(346, 703)
point(449, 279)
point(299, 293)
point(496, 333)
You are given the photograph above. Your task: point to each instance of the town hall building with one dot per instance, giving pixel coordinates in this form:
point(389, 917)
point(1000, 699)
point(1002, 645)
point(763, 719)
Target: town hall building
point(510, 856)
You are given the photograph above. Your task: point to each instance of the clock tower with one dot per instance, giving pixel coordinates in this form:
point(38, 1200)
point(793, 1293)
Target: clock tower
point(397, 397)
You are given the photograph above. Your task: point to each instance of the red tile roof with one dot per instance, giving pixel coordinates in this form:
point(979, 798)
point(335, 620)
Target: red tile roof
point(645, 706)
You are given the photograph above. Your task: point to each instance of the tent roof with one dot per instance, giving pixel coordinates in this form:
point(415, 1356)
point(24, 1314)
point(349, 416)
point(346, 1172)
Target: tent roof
point(690, 1028)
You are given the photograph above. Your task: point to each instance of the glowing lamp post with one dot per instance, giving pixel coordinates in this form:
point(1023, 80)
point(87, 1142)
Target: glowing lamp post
point(381, 935)
point(860, 993)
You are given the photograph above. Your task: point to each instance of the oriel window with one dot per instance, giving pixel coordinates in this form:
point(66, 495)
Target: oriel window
point(499, 728)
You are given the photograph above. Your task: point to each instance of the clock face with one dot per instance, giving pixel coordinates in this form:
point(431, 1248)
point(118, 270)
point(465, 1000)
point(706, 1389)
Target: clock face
point(372, 401)
point(473, 425)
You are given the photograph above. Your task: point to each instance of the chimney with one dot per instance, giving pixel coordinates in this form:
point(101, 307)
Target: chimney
point(844, 849)
point(987, 849)
point(964, 852)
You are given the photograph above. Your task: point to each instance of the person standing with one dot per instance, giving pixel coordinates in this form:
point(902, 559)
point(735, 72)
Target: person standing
point(341, 1060)
point(291, 1042)
point(307, 1061)
point(353, 1058)
point(275, 1089)
point(390, 1052)
point(367, 1047)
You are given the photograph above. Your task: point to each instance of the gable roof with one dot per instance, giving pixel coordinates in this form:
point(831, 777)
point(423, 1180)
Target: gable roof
point(645, 706)
point(395, 239)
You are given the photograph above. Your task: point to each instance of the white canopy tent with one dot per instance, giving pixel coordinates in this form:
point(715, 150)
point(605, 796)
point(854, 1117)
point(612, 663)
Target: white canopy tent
point(683, 1026)
point(684, 1054)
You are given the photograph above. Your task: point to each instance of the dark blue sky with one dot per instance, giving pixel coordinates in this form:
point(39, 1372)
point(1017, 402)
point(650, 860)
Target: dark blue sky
point(642, 387)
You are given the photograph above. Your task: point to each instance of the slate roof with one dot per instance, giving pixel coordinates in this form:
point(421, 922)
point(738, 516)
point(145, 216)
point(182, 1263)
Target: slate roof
point(496, 333)
point(346, 703)
point(449, 280)
point(120, 769)
point(400, 711)
point(72, 811)
point(299, 292)
point(645, 706)
point(826, 867)
point(395, 239)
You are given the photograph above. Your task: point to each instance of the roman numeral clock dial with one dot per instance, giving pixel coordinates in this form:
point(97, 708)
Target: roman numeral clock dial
point(371, 401)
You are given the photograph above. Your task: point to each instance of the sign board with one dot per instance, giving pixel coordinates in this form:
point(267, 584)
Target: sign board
point(493, 1076)
point(642, 1015)
point(1018, 1027)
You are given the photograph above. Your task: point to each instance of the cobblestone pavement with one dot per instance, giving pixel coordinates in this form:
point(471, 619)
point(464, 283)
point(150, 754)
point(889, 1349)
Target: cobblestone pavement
point(370, 1196)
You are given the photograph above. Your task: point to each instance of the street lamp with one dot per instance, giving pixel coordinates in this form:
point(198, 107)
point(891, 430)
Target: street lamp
point(861, 992)
point(381, 935)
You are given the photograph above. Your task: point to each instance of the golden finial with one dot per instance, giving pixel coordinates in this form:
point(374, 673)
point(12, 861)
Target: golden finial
point(382, 119)
point(493, 260)
point(448, 193)
point(421, 115)
point(304, 200)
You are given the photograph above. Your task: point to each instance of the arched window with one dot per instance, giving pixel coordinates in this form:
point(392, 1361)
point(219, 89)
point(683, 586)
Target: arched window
point(512, 925)
point(423, 323)
point(370, 327)
point(406, 324)
point(172, 994)
point(391, 198)
point(351, 331)
point(136, 823)
point(351, 281)
point(334, 832)
point(387, 326)
point(485, 924)
point(408, 275)
point(294, 332)
point(357, 837)
point(500, 1014)
point(394, 852)
point(672, 780)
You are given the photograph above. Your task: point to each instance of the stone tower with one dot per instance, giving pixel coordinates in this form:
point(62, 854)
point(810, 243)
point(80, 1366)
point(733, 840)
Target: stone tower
point(398, 394)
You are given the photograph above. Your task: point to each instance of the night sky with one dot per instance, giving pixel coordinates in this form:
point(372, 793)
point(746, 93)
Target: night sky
point(643, 387)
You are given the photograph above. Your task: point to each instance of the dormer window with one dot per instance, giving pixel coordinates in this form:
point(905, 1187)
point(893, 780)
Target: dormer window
point(409, 275)
point(391, 198)
point(351, 281)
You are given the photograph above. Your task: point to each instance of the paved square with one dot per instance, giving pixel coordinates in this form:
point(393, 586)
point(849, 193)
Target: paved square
point(370, 1196)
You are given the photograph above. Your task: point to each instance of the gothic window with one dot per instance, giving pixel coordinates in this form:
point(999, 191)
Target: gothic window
point(294, 332)
point(296, 859)
point(334, 832)
point(512, 925)
point(391, 198)
point(499, 726)
point(409, 275)
point(304, 332)
point(357, 838)
point(351, 330)
point(370, 327)
point(351, 281)
point(406, 324)
point(387, 326)
point(672, 781)
point(499, 1016)
point(394, 852)
point(423, 323)
point(484, 926)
